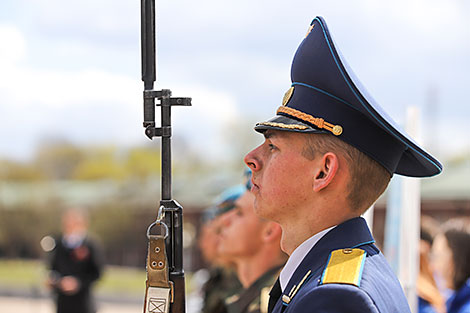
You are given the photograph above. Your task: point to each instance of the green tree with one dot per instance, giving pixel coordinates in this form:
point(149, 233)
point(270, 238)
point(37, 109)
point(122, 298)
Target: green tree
point(15, 171)
point(100, 163)
point(143, 162)
point(58, 159)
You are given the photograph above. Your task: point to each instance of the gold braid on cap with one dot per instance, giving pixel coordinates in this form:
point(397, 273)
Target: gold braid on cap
point(317, 121)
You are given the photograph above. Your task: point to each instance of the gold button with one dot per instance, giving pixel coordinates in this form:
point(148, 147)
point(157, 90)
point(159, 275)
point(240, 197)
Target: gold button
point(285, 299)
point(347, 251)
point(337, 130)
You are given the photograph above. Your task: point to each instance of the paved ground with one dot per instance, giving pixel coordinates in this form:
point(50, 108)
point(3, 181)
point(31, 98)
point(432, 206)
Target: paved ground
point(44, 305)
point(16, 304)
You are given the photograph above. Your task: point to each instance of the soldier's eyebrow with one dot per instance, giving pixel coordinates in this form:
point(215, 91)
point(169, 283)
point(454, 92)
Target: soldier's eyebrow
point(269, 134)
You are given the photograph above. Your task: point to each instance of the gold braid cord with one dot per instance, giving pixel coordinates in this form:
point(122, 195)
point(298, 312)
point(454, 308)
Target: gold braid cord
point(318, 122)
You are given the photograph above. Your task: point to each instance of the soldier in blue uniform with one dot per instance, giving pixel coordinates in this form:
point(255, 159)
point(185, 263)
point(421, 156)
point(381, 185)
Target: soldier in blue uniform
point(328, 154)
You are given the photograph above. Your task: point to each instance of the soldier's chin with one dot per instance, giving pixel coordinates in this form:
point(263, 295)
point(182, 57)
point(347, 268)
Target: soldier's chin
point(260, 210)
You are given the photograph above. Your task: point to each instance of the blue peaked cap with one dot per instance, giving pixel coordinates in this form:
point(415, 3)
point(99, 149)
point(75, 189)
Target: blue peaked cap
point(326, 97)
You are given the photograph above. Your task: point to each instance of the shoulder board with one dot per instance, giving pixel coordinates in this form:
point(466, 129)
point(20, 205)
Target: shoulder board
point(344, 266)
point(264, 299)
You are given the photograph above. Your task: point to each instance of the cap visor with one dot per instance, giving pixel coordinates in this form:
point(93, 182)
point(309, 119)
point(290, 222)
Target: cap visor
point(284, 123)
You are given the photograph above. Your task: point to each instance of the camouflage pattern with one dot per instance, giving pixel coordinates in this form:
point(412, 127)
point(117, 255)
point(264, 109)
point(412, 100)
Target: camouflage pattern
point(221, 285)
point(255, 298)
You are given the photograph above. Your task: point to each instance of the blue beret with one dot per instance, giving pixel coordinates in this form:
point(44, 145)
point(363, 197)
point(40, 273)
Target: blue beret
point(326, 97)
point(226, 201)
point(209, 214)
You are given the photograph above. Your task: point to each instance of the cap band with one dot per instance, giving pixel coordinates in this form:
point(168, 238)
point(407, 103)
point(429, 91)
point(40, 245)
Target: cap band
point(317, 121)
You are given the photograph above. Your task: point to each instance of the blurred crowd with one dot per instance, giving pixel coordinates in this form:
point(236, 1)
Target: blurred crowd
point(443, 283)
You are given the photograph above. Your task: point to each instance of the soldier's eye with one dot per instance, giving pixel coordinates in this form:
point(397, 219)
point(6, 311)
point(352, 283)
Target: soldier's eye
point(271, 146)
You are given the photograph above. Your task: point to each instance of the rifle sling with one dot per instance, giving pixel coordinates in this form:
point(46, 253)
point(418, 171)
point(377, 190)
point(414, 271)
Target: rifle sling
point(159, 290)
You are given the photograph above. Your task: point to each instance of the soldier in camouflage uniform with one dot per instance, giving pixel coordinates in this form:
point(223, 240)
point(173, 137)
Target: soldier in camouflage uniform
point(252, 244)
point(222, 282)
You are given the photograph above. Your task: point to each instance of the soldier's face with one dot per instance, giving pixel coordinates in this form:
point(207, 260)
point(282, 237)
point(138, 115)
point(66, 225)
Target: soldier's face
point(241, 230)
point(209, 241)
point(282, 177)
point(73, 222)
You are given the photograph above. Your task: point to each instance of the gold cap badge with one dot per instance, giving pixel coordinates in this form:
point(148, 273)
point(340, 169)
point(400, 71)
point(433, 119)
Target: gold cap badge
point(287, 96)
point(309, 30)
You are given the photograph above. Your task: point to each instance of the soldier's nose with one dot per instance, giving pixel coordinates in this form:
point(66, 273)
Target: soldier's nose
point(252, 161)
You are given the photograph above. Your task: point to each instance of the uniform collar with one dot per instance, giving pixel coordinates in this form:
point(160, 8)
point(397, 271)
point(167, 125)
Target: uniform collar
point(350, 234)
point(460, 298)
point(298, 255)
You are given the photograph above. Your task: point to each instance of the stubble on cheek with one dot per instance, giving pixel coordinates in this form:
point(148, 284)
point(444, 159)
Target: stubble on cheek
point(260, 206)
point(265, 208)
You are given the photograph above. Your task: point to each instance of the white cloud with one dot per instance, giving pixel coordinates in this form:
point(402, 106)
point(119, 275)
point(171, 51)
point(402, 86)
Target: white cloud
point(233, 58)
point(13, 47)
point(215, 106)
point(94, 105)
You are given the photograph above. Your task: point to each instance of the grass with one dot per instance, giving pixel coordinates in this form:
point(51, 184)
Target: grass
point(29, 274)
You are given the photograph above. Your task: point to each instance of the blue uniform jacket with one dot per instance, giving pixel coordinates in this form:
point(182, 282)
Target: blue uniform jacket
point(378, 290)
point(459, 302)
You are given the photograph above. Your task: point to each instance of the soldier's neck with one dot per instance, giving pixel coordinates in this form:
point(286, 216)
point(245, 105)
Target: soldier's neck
point(295, 232)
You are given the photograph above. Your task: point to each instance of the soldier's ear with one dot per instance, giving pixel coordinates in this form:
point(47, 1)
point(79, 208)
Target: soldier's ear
point(325, 171)
point(272, 231)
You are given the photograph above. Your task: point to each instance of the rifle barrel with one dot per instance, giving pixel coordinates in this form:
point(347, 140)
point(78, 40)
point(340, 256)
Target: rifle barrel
point(148, 43)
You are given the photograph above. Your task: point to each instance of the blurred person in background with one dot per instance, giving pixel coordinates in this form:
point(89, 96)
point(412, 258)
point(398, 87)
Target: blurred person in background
point(222, 281)
point(451, 258)
point(253, 245)
point(430, 299)
point(75, 264)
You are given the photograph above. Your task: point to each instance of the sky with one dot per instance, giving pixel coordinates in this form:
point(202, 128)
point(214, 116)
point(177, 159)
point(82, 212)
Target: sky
point(71, 69)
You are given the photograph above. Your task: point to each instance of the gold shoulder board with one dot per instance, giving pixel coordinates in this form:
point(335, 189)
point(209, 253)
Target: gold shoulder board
point(344, 267)
point(264, 299)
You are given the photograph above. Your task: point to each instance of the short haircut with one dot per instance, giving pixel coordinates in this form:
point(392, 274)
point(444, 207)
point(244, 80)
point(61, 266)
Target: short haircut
point(368, 179)
point(457, 234)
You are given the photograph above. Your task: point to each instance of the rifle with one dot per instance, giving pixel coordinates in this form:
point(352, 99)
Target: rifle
point(165, 291)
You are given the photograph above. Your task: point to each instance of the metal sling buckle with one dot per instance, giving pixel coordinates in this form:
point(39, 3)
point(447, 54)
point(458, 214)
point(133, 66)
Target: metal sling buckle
point(159, 222)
